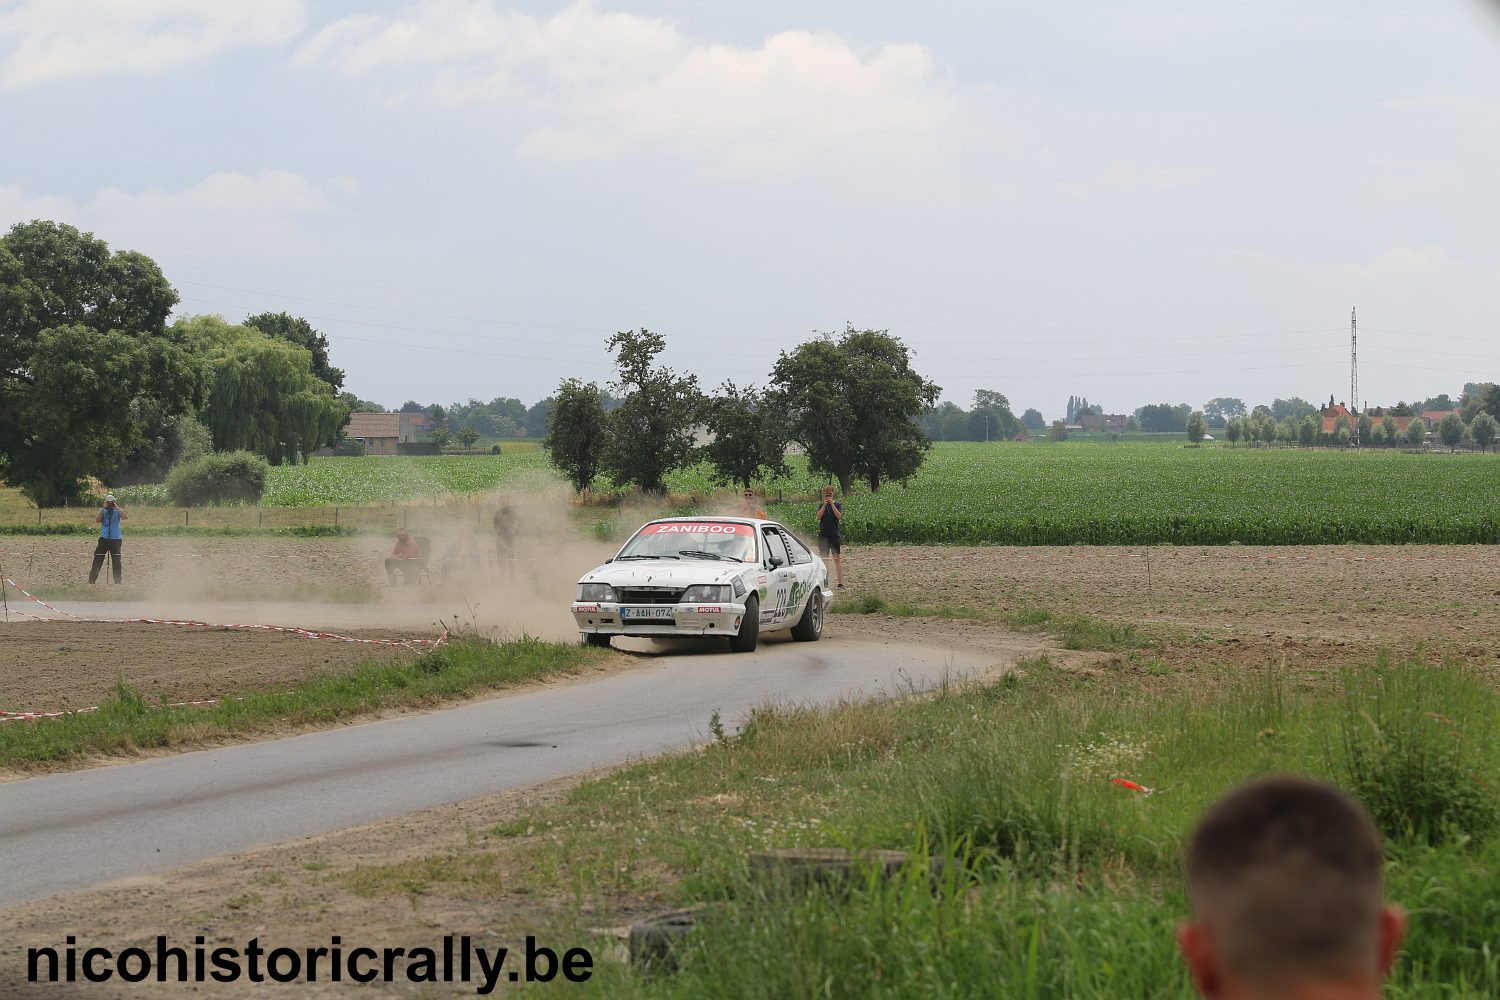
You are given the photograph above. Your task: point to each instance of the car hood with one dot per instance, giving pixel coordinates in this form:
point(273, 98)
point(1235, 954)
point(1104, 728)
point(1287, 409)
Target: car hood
point(665, 573)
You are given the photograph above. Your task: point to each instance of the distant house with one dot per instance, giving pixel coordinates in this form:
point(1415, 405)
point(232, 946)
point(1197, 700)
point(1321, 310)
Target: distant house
point(1094, 423)
point(1434, 417)
point(380, 433)
point(1331, 414)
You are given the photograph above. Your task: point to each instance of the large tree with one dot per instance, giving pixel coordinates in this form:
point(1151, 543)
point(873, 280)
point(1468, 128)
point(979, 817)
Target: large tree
point(576, 432)
point(1222, 409)
point(1164, 417)
point(651, 432)
point(991, 418)
point(750, 431)
point(296, 330)
point(855, 400)
point(262, 395)
point(82, 337)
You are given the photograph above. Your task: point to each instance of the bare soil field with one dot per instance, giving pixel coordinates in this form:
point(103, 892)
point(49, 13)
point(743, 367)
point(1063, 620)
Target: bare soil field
point(58, 666)
point(1314, 606)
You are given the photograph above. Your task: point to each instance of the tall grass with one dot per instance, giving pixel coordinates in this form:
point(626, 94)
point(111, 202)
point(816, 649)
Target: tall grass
point(1062, 883)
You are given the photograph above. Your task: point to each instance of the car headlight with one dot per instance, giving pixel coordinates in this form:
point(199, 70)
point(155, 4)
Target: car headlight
point(705, 593)
point(595, 592)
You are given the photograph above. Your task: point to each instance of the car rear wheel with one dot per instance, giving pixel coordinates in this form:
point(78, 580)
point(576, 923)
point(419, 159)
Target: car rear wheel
point(596, 638)
point(749, 634)
point(810, 627)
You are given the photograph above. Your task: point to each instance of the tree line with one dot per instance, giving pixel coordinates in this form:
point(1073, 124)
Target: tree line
point(95, 382)
point(850, 401)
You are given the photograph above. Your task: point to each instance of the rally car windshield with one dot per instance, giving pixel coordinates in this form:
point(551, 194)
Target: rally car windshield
point(692, 540)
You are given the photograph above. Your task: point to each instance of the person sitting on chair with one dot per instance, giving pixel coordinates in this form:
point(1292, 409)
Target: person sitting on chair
point(406, 557)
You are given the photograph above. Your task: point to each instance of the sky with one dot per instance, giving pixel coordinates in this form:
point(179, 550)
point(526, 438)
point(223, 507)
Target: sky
point(1166, 200)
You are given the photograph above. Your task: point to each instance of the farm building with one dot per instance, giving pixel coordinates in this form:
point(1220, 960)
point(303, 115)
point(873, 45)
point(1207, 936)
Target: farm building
point(381, 433)
point(1093, 423)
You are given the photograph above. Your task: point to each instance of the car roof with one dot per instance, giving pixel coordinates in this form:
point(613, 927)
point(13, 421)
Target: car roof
point(716, 519)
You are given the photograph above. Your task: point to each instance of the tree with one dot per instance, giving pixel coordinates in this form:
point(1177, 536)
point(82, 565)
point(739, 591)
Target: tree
point(1343, 430)
point(1221, 410)
point(164, 440)
point(1416, 432)
point(854, 401)
point(1058, 431)
point(440, 436)
point(576, 432)
point(1033, 420)
point(1379, 436)
point(296, 330)
point(1402, 409)
point(1451, 430)
point(1480, 398)
point(354, 404)
point(1195, 427)
point(1482, 430)
point(83, 337)
point(1232, 431)
point(1295, 408)
point(1286, 431)
point(1308, 429)
point(537, 415)
point(1163, 418)
point(651, 433)
point(412, 406)
point(994, 416)
point(1437, 403)
point(1365, 428)
point(750, 431)
point(262, 395)
point(467, 437)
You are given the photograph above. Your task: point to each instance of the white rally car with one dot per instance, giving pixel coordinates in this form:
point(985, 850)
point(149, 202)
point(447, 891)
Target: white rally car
point(706, 576)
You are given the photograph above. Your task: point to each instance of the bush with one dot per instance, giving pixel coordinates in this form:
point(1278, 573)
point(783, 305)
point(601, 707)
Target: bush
point(1414, 748)
point(222, 477)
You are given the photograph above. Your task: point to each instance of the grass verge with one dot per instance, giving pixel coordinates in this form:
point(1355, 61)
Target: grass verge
point(1062, 883)
point(128, 722)
point(1072, 631)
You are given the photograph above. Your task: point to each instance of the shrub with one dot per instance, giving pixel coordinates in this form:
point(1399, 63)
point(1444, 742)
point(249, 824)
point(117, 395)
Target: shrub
point(1414, 752)
point(222, 477)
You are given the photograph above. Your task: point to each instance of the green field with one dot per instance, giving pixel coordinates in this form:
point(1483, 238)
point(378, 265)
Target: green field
point(1079, 492)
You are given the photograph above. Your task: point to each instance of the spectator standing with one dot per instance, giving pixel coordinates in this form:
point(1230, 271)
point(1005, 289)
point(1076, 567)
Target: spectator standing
point(110, 538)
point(507, 538)
point(748, 506)
point(830, 532)
point(1284, 883)
point(405, 558)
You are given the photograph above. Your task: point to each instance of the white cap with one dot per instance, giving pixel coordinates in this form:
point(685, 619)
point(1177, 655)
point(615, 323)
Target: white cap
point(109, 498)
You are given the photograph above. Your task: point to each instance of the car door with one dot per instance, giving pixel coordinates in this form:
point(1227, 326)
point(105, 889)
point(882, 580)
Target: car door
point(802, 573)
point(773, 611)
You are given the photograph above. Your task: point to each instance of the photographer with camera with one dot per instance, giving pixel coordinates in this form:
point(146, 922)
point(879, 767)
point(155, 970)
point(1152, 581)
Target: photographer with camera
point(110, 516)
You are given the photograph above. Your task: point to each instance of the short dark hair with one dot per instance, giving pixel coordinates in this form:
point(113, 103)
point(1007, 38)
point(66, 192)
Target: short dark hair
point(1285, 874)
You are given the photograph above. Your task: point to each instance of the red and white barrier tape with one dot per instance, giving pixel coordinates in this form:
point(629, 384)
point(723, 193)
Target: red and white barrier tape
point(8, 716)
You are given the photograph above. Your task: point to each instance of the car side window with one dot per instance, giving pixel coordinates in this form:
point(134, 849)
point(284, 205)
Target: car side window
point(775, 547)
point(798, 551)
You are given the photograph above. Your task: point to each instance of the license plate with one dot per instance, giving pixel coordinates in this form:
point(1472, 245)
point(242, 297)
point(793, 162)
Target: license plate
point(646, 614)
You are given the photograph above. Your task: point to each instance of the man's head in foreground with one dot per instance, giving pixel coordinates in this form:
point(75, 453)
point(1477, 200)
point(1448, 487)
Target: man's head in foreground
point(1284, 882)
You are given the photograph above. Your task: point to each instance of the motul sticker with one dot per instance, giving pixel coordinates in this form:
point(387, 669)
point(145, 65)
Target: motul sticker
point(696, 528)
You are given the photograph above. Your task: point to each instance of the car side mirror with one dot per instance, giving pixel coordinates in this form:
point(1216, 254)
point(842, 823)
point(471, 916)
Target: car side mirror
point(610, 559)
point(773, 562)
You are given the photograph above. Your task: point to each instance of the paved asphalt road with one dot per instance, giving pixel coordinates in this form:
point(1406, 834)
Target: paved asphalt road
point(74, 830)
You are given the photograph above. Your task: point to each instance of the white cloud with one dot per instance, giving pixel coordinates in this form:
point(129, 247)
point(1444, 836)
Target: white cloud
point(234, 207)
point(599, 83)
point(42, 40)
point(1404, 262)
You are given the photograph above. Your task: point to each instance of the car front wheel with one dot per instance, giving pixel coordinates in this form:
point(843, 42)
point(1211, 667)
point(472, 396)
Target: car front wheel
point(749, 634)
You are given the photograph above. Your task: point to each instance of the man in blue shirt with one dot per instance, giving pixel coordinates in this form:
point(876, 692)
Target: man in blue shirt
point(830, 532)
point(110, 516)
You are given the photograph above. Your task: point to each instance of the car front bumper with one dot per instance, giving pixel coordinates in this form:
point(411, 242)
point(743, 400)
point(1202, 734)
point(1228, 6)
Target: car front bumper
point(606, 618)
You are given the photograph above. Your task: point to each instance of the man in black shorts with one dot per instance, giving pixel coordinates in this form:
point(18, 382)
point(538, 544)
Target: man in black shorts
point(830, 532)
